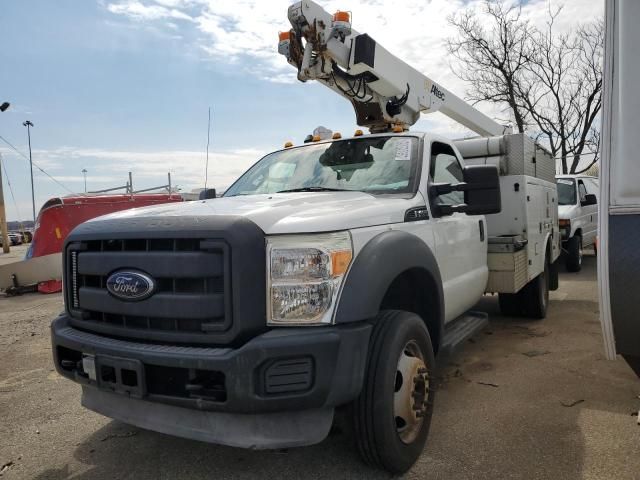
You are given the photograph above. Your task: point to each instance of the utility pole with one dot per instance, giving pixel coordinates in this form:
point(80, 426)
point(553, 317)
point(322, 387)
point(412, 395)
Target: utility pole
point(28, 124)
point(3, 216)
point(84, 172)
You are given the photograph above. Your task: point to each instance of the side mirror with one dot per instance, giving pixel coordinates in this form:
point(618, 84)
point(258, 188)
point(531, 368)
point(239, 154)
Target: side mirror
point(482, 193)
point(207, 194)
point(589, 199)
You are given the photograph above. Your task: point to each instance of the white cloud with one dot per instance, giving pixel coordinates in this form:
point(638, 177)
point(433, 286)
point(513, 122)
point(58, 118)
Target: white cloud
point(186, 167)
point(140, 11)
point(110, 168)
point(243, 33)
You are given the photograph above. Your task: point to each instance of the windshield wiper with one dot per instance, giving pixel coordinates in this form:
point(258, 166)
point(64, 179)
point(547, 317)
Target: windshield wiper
point(314, 189)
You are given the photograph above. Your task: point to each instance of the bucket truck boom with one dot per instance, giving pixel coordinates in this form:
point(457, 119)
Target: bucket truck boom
point(384, 91)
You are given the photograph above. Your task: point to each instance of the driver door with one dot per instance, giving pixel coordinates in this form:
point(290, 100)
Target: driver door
point(460, 239)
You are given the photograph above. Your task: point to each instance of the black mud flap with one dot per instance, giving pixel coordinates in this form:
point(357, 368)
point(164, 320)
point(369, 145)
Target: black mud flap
point(553, 275)
point(634, 363)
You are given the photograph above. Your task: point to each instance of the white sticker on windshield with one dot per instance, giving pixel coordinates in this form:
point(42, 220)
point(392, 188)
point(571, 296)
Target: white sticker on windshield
point(403, 149)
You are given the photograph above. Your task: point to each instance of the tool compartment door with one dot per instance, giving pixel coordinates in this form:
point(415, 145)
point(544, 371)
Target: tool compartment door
point(541, 212)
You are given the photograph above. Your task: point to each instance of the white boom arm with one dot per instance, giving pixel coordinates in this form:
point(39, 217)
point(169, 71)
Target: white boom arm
point(384, 90)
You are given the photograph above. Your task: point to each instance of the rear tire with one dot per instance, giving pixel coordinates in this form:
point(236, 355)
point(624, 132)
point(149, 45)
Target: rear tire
point(510, 304)
point(392, 415)
point(535, 295)
point(574, 254)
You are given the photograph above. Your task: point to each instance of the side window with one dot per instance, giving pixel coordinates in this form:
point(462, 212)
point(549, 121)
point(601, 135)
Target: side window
point(445, 168)
point(592, 186)
point(582, 191)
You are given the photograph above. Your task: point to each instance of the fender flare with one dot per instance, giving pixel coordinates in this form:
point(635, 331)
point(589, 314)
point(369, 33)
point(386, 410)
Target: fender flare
point(553, 265)
point(376, 266)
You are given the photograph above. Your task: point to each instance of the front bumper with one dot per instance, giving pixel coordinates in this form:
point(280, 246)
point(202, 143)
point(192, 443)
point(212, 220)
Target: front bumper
point(283, 370)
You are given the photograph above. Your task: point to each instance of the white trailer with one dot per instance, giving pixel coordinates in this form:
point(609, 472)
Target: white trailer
point(619, 207)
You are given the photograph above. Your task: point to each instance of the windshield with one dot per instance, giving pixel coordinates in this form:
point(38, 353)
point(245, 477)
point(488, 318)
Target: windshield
point(566, 191)
point(377, 165)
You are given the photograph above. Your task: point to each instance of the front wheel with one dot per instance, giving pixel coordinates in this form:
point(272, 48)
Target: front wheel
point(574, 254)
point(393, 412)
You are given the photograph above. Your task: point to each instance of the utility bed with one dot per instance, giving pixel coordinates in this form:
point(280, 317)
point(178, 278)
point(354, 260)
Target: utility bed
point(528, 223)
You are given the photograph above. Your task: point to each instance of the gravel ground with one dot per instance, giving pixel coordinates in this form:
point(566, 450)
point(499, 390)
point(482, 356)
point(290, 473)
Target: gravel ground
point(16, 253)
point(523, 399)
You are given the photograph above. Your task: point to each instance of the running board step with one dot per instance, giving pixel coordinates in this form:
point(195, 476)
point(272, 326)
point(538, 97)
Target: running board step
point(461, 329)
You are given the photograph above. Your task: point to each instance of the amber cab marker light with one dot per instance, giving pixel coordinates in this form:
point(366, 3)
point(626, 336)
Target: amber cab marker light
point(315, 138)
point(341, 16)
point(357, 133)
point(336, 136)
point(288, 144)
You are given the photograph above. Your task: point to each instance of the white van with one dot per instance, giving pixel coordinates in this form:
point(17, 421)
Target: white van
point(578, 214)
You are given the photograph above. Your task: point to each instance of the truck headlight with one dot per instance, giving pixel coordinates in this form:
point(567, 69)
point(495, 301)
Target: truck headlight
point(305, 273)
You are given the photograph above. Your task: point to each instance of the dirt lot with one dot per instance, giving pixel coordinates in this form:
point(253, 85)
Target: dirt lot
point(524, 399)
point(16, 253)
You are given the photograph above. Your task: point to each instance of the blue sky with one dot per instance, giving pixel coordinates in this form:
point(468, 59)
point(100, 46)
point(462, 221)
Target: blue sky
point(121, 85)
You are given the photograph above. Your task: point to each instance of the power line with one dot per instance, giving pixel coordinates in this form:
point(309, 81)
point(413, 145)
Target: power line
point(36, 165)
point(13, 197)
point(583, 154)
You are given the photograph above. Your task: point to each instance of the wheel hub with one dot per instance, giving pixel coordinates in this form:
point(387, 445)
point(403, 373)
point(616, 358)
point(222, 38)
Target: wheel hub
point(411, 395)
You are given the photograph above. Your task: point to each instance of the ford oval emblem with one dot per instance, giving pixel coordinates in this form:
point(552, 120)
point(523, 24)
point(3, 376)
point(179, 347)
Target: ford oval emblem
point(130, 285)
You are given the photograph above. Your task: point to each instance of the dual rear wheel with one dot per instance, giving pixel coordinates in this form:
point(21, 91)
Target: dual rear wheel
point(532, 301)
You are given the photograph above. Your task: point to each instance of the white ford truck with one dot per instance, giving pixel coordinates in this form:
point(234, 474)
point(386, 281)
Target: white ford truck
point(331, 274)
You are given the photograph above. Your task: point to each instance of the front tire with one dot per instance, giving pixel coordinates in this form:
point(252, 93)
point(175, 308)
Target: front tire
point(574, 254)
point(392, 415)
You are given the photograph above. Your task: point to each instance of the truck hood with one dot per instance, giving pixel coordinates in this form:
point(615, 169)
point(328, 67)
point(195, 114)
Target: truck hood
point(567, 212)
point(299, 212)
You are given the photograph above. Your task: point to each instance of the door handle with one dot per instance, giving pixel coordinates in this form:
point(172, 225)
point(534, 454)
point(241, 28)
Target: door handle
point(481, 227)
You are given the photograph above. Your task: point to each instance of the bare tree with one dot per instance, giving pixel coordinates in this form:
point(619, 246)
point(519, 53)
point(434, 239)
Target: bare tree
point(492, 60)
point(554, 80)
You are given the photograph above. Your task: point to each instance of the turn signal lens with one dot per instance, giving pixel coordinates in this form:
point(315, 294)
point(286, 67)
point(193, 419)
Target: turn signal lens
point(398, 129)
point(563, 222)
point(340, 261)
point(284, 36)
